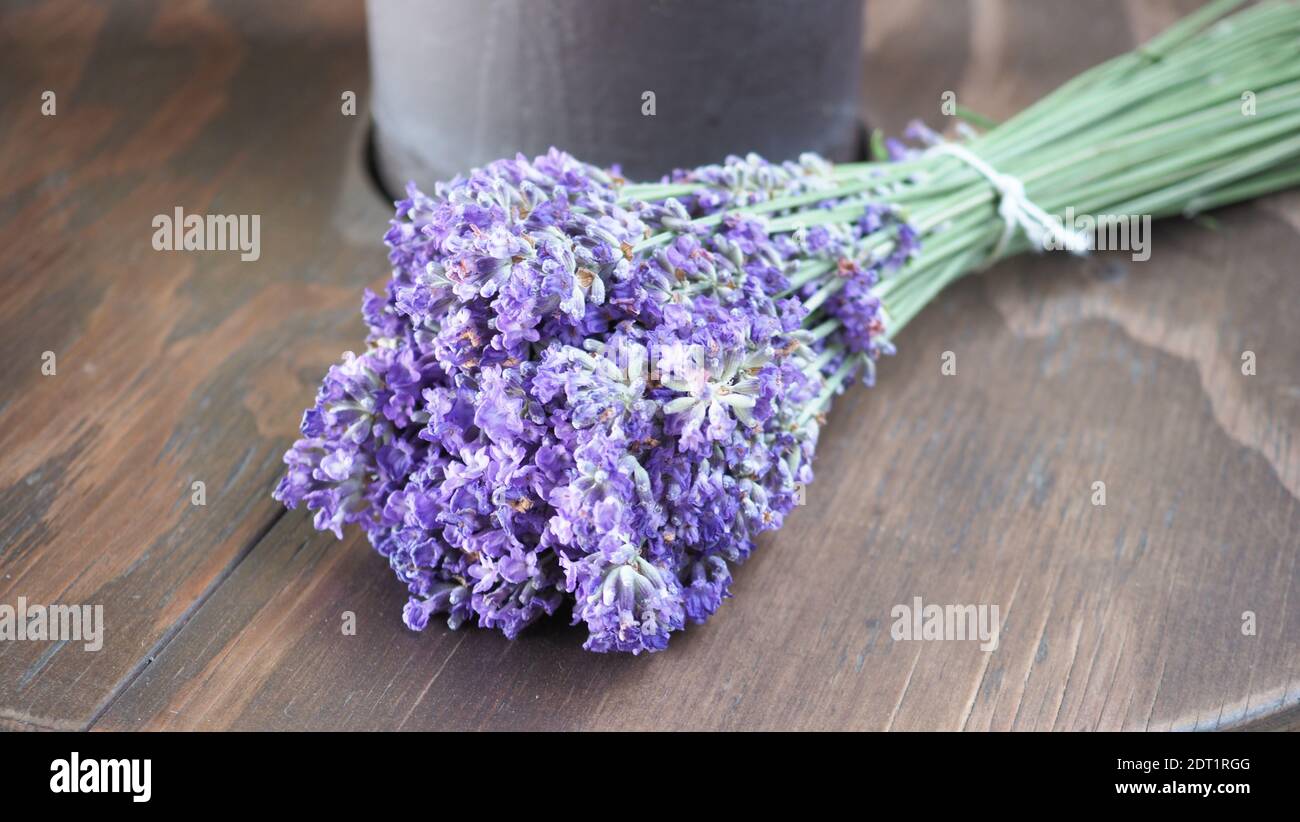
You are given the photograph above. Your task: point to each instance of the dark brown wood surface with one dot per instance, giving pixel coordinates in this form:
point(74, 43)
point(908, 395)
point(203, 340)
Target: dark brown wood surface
point(969, 488)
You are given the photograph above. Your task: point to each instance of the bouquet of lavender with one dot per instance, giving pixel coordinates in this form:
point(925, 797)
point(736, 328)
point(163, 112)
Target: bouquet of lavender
point(577, 388)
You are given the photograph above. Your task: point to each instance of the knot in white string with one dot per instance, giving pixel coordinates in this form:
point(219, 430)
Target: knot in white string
point(1017, 211)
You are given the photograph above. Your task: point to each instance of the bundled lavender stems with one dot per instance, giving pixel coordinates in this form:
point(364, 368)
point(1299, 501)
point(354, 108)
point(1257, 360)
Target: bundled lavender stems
point(581, 389)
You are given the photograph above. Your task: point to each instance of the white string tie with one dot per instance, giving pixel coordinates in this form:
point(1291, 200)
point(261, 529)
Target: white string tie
point(1017, 211)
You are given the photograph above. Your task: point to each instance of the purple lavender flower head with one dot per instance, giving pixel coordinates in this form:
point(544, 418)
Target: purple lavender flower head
point(573, 394)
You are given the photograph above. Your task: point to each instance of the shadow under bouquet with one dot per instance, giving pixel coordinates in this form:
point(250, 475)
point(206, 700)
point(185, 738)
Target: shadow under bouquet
point(578, 389)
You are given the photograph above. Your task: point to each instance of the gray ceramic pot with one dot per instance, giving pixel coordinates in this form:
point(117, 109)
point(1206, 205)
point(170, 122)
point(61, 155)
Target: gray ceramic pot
point(457, 83)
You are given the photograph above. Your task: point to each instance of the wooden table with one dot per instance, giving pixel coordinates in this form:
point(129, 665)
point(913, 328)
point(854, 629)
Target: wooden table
point(175, 368)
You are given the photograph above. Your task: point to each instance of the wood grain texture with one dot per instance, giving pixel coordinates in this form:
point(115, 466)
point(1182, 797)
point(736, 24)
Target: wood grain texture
point(171, 367)
point(969, 488)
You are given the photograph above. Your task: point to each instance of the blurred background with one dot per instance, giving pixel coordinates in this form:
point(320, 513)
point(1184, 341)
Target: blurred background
point(652, 85)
